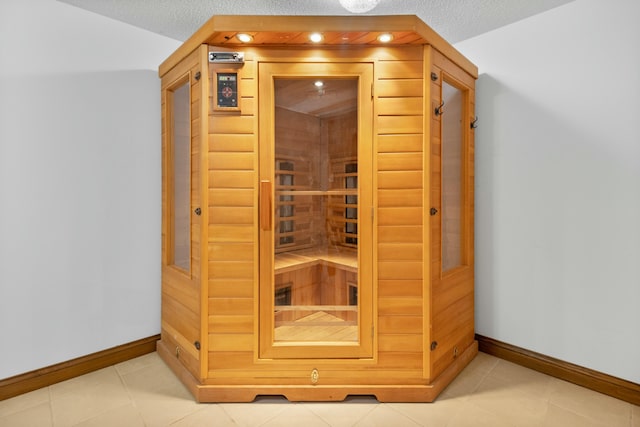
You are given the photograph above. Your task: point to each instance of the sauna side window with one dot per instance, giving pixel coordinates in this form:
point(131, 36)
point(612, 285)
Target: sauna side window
point(179, 175)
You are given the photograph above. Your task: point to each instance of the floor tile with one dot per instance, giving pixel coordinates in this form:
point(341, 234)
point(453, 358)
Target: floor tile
point(296, 415)
point(469, 415)
point(145, 392)
point(560, 417)
point(524, 379)
point(24, 401)
point(88, 396)
point(206, 416)
point(256, 413)
point(509, 403)
point(38, 415)
point(343, 414)
point(436, 414)
point(127, 415)
point(138, 363)
point(595, 406)
point(384, 415)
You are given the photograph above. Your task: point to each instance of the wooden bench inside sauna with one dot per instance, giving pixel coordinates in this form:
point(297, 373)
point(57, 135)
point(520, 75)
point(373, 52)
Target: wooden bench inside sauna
point(317, 209)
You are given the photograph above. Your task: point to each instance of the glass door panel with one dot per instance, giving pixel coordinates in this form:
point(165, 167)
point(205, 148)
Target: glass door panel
point(316, 209)
point(318, 296)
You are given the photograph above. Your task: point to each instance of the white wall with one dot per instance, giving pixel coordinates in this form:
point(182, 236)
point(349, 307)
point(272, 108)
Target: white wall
point(79, 183)
point(558, 184)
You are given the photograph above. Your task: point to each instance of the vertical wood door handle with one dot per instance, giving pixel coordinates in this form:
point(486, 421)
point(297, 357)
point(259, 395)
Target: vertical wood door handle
point(265, 205)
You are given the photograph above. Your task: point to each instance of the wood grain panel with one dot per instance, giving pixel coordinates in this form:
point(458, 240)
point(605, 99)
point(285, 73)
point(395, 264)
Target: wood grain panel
point(231, 160)
point(408, 324)
point(400, 161)
point(232, 142)
point(400, 234)
point(400, 288)
point(397, 198)
point(399, 124)
point(401, 88)
point(399, 70)
point(231, 251)
point(230, 306)
point(233, 124)
point(400, 342)
point(231, 288)
point(237, 197)
point(227, 215)
point(231, 324)
point(231, 342)
point(399, 306)
point(231, 233)
point(402, 270)
point(399, 361)
point(399, 180)
point(231, 179)
point(407, 106)
point(400, 251)
point(400, 216)
point(400, 143)
point(229, 360)
point(231, 270)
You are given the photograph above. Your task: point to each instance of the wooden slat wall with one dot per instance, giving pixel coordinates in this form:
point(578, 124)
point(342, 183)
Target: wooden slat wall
point(232, 232)
point(452, 292)
point(399, 92)
point(232, 240)
point(180, 326)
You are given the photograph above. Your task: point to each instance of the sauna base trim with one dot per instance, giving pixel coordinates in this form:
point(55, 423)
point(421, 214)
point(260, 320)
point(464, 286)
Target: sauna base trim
point(315, 393)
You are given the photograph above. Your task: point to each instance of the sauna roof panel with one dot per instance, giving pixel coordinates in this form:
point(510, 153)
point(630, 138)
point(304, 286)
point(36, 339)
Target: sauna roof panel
point(337, 31)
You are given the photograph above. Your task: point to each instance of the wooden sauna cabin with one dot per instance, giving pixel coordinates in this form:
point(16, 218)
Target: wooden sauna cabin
point(317, 205)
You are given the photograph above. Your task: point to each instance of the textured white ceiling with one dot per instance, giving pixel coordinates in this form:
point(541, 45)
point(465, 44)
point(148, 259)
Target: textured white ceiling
point(455, 20)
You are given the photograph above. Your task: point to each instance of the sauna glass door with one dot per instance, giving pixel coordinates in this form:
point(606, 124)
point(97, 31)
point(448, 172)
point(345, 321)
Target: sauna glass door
point(316, 201)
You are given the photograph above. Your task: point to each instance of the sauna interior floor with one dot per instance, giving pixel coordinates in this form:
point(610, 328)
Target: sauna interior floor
point(144, 392)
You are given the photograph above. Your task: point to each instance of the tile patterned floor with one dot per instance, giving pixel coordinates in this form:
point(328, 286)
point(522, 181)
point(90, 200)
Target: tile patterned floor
point(489, 392)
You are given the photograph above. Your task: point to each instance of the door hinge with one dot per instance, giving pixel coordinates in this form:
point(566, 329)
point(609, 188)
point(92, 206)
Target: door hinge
point(372, 91)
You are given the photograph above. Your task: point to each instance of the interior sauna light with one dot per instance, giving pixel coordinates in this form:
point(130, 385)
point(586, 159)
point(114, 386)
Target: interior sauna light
point(385, 37)
point(315, 37)
point(244, 37)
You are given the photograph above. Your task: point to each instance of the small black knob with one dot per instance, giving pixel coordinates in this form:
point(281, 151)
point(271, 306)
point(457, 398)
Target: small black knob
point(198, 211)
point(434, 344)
point(433, 211)
point(197, 344)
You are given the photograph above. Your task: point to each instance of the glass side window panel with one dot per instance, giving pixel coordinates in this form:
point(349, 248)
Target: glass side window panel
point(316, 210)
point(180, 193)
point(452, 173)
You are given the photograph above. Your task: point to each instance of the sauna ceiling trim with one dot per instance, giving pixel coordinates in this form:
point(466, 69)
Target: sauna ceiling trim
point(337, 31)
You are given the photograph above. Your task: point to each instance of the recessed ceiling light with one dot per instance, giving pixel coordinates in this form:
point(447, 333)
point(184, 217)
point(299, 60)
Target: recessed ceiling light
point(316, 37)
point(319, 83)
point(385, 37)
point(244, 38)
